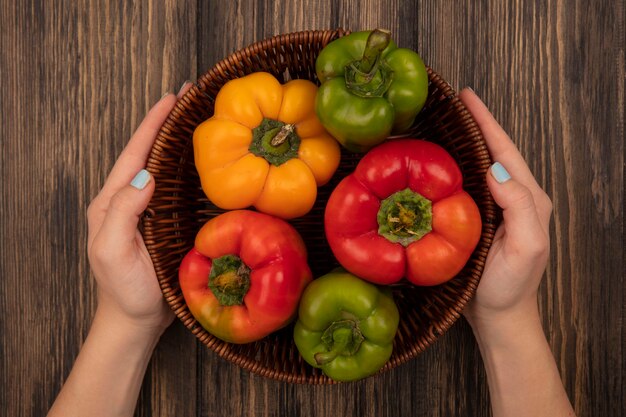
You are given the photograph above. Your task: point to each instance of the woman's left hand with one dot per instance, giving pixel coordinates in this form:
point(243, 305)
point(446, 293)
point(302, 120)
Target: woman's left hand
point(128, 289)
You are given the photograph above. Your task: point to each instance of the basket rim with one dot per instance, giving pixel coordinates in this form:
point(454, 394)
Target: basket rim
point(225, 350)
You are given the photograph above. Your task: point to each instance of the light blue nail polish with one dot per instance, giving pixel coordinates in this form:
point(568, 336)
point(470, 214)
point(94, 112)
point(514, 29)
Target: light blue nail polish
point(141, 179)
point(500, 173)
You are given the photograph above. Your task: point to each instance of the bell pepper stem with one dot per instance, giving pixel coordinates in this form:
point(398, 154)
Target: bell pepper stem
point(370, 76)
point(376, 43)
point(405, 217)
point(342, 337)
point(282, 135)
point(229, 280)
point(275, 141)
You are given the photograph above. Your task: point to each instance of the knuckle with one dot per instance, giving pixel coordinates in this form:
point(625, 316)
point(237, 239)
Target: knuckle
point(105, 252)
point(97, 253)
point(119, 203)
point(544, 206)
point(93, 208)
point(540, 247)
point(524, 199)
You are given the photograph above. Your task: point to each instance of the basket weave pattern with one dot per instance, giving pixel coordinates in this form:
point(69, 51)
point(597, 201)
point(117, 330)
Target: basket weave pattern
point(179, 207)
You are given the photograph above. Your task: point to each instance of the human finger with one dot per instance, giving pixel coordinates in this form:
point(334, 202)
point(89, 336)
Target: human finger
point(523, 225)
point(135, 154)
point(500, 145)
point(131, 160)
point(503, 150)
point(119, 226)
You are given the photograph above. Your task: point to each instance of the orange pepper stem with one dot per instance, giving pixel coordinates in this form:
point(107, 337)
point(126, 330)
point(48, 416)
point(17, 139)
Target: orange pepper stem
point(275, 141)
point(229, 280)
point(282, 135)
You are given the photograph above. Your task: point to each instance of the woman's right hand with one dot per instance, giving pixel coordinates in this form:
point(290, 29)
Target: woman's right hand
point(518, 256)
point(521, 371)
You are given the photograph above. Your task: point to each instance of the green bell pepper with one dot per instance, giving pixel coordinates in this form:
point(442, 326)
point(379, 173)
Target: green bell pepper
point(370, 88)
point(345, 326)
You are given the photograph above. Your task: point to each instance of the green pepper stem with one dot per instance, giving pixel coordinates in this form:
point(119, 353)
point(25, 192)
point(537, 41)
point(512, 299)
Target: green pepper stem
point(229, 280)
point(342, 337)
point(370, 76)
point(376, 43)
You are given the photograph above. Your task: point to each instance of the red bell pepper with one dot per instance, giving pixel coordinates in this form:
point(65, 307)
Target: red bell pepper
point(244, 277)
point(403, 214)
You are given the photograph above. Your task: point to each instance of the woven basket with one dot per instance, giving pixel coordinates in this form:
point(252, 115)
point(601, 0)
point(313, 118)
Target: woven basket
point(179, 207)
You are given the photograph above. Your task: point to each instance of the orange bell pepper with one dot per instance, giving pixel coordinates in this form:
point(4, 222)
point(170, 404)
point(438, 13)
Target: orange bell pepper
point(265, 147)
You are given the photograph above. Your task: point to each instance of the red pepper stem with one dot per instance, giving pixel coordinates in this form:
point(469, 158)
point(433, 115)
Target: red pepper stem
point(229, 280)
point(376, 43)
point(405, 217)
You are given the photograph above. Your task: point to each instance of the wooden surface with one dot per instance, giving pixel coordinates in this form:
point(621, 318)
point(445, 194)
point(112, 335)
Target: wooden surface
point(78, 77)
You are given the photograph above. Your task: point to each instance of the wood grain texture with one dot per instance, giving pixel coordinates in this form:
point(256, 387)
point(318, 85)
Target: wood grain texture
point(79, 76)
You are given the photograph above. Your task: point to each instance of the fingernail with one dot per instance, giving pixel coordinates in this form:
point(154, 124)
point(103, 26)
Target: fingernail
point(183, 86)
point(167, 93)
point(500, 173)
point(470, 88)
point(141, 179)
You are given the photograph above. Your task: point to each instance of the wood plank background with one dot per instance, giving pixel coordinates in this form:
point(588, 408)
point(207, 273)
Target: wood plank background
point(78, 77)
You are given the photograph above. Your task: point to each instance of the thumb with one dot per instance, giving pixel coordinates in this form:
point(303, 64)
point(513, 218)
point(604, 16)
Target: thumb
point(125, 208)
point(521, 221)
